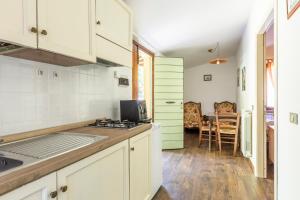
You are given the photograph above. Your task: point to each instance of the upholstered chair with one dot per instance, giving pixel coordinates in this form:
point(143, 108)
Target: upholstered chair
point(192, 114)
point(225, 107)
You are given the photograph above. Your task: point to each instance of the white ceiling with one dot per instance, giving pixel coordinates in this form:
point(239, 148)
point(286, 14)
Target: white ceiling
point(187, 28)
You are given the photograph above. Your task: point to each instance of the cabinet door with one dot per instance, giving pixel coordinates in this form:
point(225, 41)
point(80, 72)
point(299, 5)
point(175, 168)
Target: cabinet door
point(101, 176)
point(67, 27)
point(114, 22)
point(17, 17)
point(140, 161)
point(37, 190)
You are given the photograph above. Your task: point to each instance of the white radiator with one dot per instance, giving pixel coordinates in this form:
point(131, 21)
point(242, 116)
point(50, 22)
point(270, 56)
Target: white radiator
point(246, 136)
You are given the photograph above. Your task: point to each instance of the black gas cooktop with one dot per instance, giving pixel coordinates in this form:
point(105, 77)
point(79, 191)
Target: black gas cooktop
point(108, 123)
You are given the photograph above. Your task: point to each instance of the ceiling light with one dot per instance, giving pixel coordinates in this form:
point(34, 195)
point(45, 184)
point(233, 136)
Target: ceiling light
point(217, 60)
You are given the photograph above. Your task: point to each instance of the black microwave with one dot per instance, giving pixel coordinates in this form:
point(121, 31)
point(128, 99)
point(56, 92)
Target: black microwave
point(133, 111)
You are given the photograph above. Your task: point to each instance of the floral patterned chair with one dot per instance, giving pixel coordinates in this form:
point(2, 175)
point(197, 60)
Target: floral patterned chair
point(225, 107)
point(192, 114)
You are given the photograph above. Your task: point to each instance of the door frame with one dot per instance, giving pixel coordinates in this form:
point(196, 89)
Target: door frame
point(261, 153)
point(135, 56)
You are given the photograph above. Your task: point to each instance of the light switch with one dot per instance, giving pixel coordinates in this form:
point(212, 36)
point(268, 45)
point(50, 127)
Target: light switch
point(294, 118)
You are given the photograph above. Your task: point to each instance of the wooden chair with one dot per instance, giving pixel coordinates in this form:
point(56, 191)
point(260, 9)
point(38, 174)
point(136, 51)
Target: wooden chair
point(228, 129)
point(204, 129)
point(192, 114)
point(225, 107)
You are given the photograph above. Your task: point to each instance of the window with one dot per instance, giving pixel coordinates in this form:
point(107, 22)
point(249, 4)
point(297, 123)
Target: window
point(142, 76)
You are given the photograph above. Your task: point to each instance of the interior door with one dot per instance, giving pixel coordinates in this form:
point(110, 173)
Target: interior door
point(18, 22)
point(168, 101)
point(114, 22)
point(67, 27)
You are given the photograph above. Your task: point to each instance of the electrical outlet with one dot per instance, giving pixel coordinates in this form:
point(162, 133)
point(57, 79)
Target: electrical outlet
point(294, 118)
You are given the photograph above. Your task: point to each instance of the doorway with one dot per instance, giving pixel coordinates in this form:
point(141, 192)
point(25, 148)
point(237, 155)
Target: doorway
point(266, 162)
point(269, 100)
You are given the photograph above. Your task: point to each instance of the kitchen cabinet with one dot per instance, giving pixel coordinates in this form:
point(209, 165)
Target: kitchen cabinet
point(114, 29)
point(67, 27)
point(18, 22)
point(140, 166)
point(114, 22)
point(120, 172)
point(60, 26)
point(41, 189)
point(101, 176)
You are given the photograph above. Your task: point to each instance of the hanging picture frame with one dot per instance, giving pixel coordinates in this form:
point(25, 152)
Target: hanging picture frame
point(292, 7)
point(207, 77)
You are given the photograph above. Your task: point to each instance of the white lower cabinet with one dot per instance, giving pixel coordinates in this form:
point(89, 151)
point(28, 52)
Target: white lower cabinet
point(120, 172)
point(101, 176)
point(37, 190)
point(140, 162)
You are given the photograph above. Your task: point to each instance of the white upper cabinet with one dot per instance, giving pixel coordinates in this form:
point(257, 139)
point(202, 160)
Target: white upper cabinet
point(41, 189)
point(67, 27)
point(114, 22)
point(18, 22)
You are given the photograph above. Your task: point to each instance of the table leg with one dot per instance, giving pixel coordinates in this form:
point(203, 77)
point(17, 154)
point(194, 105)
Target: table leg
point(209, 138)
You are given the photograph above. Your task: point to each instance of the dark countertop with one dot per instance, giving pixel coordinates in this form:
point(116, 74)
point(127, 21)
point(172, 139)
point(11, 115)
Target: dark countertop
point(24, 175)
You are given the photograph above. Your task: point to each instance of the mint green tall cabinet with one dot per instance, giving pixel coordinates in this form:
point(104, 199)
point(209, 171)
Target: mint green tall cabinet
point(168, 100)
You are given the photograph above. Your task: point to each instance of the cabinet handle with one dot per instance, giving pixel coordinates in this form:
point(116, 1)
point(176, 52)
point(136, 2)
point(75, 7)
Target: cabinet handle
point(64, 188)
point(132, 148)
point(53, 194)
point(98, 22)
point(44, 32)
point(33, 30)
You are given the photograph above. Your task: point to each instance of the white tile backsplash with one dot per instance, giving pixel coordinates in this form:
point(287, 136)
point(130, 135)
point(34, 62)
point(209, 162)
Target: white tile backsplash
point(37, 95)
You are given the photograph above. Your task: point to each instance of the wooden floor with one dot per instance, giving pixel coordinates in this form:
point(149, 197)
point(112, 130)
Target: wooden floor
point(195, 174)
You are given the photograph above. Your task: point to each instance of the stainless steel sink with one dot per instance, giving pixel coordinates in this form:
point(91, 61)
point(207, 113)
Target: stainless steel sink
point(8, 163)
point(43, 147)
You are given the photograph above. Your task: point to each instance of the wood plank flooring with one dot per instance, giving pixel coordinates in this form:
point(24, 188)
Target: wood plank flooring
point(194, 173)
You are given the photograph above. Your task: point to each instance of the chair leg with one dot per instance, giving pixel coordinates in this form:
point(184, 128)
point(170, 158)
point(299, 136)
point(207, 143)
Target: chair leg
point(219, 140)
point(235, 144)
point(200, 137)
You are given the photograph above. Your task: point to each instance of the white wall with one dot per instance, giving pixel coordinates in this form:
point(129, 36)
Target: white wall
point(221, 88)
point(288, 101)
point(29, 101)
point(247, 57)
